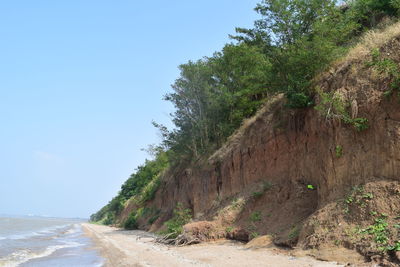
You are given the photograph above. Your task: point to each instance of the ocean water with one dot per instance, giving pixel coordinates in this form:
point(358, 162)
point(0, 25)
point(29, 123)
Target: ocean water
point(37, 241)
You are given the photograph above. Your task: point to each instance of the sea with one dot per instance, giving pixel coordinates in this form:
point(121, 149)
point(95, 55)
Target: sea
point(40, 241)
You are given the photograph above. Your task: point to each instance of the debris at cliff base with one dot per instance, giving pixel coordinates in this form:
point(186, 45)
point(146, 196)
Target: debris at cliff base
point(366, 220)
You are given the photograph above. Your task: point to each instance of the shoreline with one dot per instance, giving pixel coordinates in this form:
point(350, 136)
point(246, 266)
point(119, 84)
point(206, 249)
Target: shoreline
point(137, 248)
point(108, 253)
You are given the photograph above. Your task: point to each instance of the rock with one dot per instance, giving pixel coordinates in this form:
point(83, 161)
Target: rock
point(265, 241)
point(338, 254)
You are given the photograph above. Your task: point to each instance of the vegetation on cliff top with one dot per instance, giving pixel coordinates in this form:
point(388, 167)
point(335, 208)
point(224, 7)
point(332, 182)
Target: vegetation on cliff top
point(292, 42)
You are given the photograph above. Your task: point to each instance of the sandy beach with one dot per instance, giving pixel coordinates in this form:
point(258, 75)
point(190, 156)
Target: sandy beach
point(137, 248)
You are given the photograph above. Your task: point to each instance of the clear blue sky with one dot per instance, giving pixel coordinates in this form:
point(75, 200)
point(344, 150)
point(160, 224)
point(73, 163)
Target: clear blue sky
point(81, 82)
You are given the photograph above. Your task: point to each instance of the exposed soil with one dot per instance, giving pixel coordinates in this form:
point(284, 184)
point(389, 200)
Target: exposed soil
point(366, 220)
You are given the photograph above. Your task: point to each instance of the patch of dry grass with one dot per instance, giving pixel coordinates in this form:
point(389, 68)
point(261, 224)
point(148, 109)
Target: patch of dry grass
point(229, 213)
point(235, 139)
point(372, 39)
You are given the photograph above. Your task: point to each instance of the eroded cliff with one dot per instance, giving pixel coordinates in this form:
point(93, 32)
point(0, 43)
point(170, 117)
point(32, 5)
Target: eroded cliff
point(305, 177)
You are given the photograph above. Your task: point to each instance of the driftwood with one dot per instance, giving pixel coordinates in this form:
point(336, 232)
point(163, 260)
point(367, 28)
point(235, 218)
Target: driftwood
point(180, 240)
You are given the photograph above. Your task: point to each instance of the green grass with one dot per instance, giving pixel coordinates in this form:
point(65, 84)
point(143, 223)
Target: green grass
point(378, 230)
point(266, 185)
point(255, 216)
point(294, 232)
point(257, 194)
point(357, 196)
point(395, 247)
point(254, 235)
point(339, 151)
point(229, 229)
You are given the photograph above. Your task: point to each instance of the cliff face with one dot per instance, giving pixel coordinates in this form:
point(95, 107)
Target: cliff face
point(299, 147)
point(286, 165)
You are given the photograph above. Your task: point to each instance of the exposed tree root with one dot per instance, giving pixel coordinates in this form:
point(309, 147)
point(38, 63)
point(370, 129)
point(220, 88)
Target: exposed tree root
point(180, 241)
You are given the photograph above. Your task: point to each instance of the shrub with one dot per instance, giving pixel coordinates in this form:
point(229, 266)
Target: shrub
point(153, 218)
point(298, 100)
point(109, 219)
point(370, 12)
point(387, 68)
point(332, 106)
point(175, 225)
point(149, 191)
point(131, 222)
point(360, 124)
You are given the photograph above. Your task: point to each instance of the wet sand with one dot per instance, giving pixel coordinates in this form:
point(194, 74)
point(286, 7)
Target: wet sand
point(137, 248)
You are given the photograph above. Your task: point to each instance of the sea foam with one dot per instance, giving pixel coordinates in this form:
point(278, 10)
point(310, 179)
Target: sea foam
point(25, 255)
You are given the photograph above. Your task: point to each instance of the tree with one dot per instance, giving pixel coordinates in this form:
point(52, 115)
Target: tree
point(305, 36)
point(241, 76)
point(190, 96)
point(213, 96)
point(368, 13)
point(286, 21)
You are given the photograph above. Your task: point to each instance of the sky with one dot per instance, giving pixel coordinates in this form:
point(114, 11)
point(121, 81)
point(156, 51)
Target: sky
point(80, 83)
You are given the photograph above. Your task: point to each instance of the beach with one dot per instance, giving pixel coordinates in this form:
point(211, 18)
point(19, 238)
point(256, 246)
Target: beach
point(137, 248)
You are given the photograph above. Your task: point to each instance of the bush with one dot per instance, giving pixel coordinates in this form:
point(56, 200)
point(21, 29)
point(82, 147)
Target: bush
point(298, 100)
point(131, 222)
point(175, 225)
point(109, 219)
point(153, 218)
point(149, 191)
point(370, 12)
point(361, 124)
point(332, 106)
point(387, 68)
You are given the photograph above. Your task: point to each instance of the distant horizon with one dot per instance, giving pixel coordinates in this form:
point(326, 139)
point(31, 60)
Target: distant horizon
point(82, 82)
point(2, 215)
